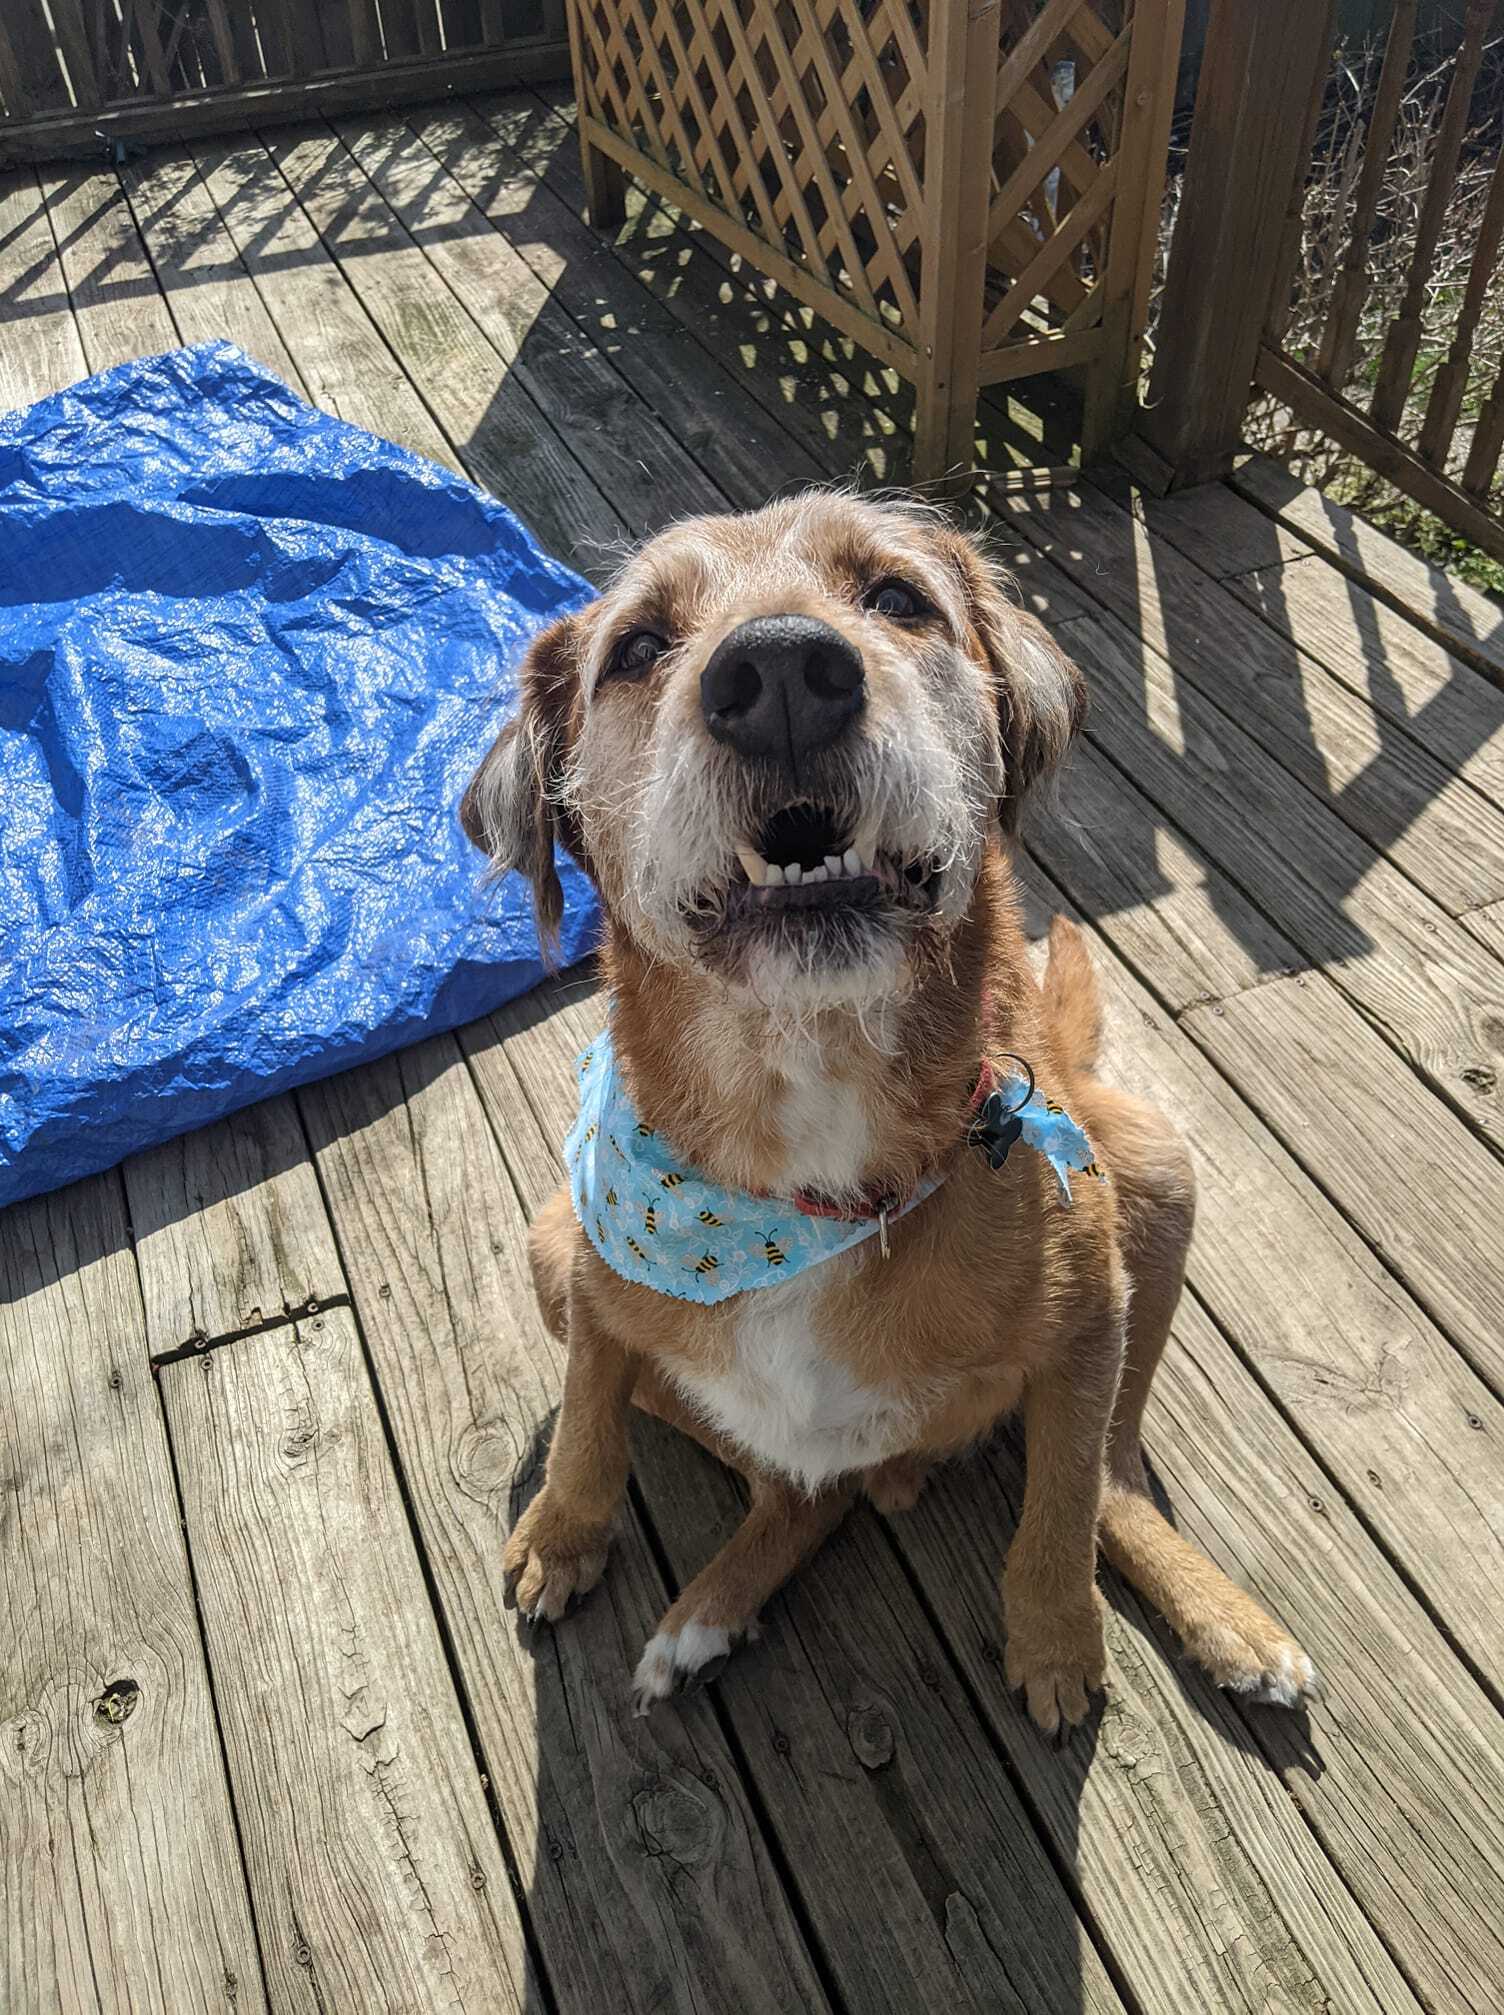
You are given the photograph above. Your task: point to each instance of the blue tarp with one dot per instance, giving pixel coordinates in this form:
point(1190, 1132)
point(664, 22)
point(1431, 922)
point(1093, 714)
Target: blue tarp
point(249, 657)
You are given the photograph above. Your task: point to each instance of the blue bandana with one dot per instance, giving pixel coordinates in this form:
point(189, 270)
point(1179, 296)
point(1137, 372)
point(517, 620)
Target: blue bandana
point(662, 1224)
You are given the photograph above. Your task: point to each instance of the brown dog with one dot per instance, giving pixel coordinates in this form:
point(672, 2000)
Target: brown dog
point(789, 748)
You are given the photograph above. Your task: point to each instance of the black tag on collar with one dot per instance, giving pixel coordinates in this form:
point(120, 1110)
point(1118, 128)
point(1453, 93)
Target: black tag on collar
point(994, 1130)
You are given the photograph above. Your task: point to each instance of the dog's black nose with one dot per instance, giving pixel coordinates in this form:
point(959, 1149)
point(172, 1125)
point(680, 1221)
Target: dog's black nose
point(781, 688)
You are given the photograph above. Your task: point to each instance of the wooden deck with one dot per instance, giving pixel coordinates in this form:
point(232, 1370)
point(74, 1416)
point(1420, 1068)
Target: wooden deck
point(269, 1737)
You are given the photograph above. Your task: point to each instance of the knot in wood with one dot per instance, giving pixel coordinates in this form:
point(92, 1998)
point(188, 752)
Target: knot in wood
point(675, 1823)
point(117, 1703)
point(870, 1734)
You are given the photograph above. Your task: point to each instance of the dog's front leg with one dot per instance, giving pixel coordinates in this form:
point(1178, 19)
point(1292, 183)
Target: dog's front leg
point(1056, 1650)
point(783, 1525)
point(558, 1546)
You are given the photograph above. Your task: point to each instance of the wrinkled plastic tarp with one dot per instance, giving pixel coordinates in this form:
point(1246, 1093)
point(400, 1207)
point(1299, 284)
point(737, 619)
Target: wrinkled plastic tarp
point(249, 657)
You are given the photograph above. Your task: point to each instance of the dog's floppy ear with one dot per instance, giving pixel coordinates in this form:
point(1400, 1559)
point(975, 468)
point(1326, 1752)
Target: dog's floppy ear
point(1041, 695)
point(512, 809)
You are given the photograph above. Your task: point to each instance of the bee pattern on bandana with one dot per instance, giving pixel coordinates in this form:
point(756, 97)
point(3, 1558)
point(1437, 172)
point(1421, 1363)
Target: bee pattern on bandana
point(626, 1178)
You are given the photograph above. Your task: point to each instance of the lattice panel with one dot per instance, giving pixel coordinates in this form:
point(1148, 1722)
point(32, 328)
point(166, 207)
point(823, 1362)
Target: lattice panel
point(806, 124)
point(962, 188)
point(1057, 125)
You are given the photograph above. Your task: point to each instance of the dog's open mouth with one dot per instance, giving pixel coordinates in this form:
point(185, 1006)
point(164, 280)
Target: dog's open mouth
point(806, 862)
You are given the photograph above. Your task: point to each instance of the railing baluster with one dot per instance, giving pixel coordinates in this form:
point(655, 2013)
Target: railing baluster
point(1334, 358)
point(1280, 303)
point(1445, 402)
point(1487, 443)
point(1403, 341)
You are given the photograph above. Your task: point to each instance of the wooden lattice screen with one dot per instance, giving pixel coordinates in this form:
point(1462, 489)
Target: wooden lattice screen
point(73, 70)
point(968, 188)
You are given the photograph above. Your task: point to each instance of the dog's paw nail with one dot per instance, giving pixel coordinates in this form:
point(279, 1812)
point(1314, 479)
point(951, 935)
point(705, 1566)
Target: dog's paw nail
point(675, 1659)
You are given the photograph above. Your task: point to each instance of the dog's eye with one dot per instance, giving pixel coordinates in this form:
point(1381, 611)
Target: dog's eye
point(636, 655)
point(896, 600)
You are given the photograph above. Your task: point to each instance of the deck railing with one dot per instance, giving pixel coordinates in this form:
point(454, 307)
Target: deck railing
point(76, 72)
point(1427, 412)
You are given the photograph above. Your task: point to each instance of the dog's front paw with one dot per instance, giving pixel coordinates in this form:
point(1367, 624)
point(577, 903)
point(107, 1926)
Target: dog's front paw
point(1056, 1656)
point(552, 1557)
point(1251, 1655)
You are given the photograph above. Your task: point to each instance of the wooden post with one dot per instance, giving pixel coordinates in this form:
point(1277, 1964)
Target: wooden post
point(605, 183)
point(1111, 380)
point(1246, 141)
point(964, 60)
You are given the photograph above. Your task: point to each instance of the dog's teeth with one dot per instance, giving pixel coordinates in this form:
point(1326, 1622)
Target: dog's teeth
point(756, 867)
point(835, 867)
point(819, 874)
point(772, 876)
point(793, 874)
point(853, 862)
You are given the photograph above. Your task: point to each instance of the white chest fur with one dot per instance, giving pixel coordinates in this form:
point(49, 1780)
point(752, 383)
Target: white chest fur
point(783, 1398)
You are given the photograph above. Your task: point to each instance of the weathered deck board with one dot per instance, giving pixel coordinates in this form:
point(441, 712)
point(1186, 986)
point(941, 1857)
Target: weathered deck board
point(1200, 1916)
point(1308, 1067)
point(41, 352)
point(209, 291)
point(1171, 913)
point(230, 1229)
point(329, 335)
point(1487, 925)
point(540, 352)
point(692, 393)
point(1402, 673)
point(1400, 957)
point(117, 303)
point(1222, 532)
point(1460, 617)
point(1400, 1770)
point(1361, 1777)
point(1384, 785)
point(497, 432)
point(372, 1857)
point(646, 1878)
point(864, 1749)
point(121, 1883)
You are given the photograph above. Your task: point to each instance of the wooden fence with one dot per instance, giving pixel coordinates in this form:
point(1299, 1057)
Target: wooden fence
point(968, 188)
point(1427, 413)
point(76, 73)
